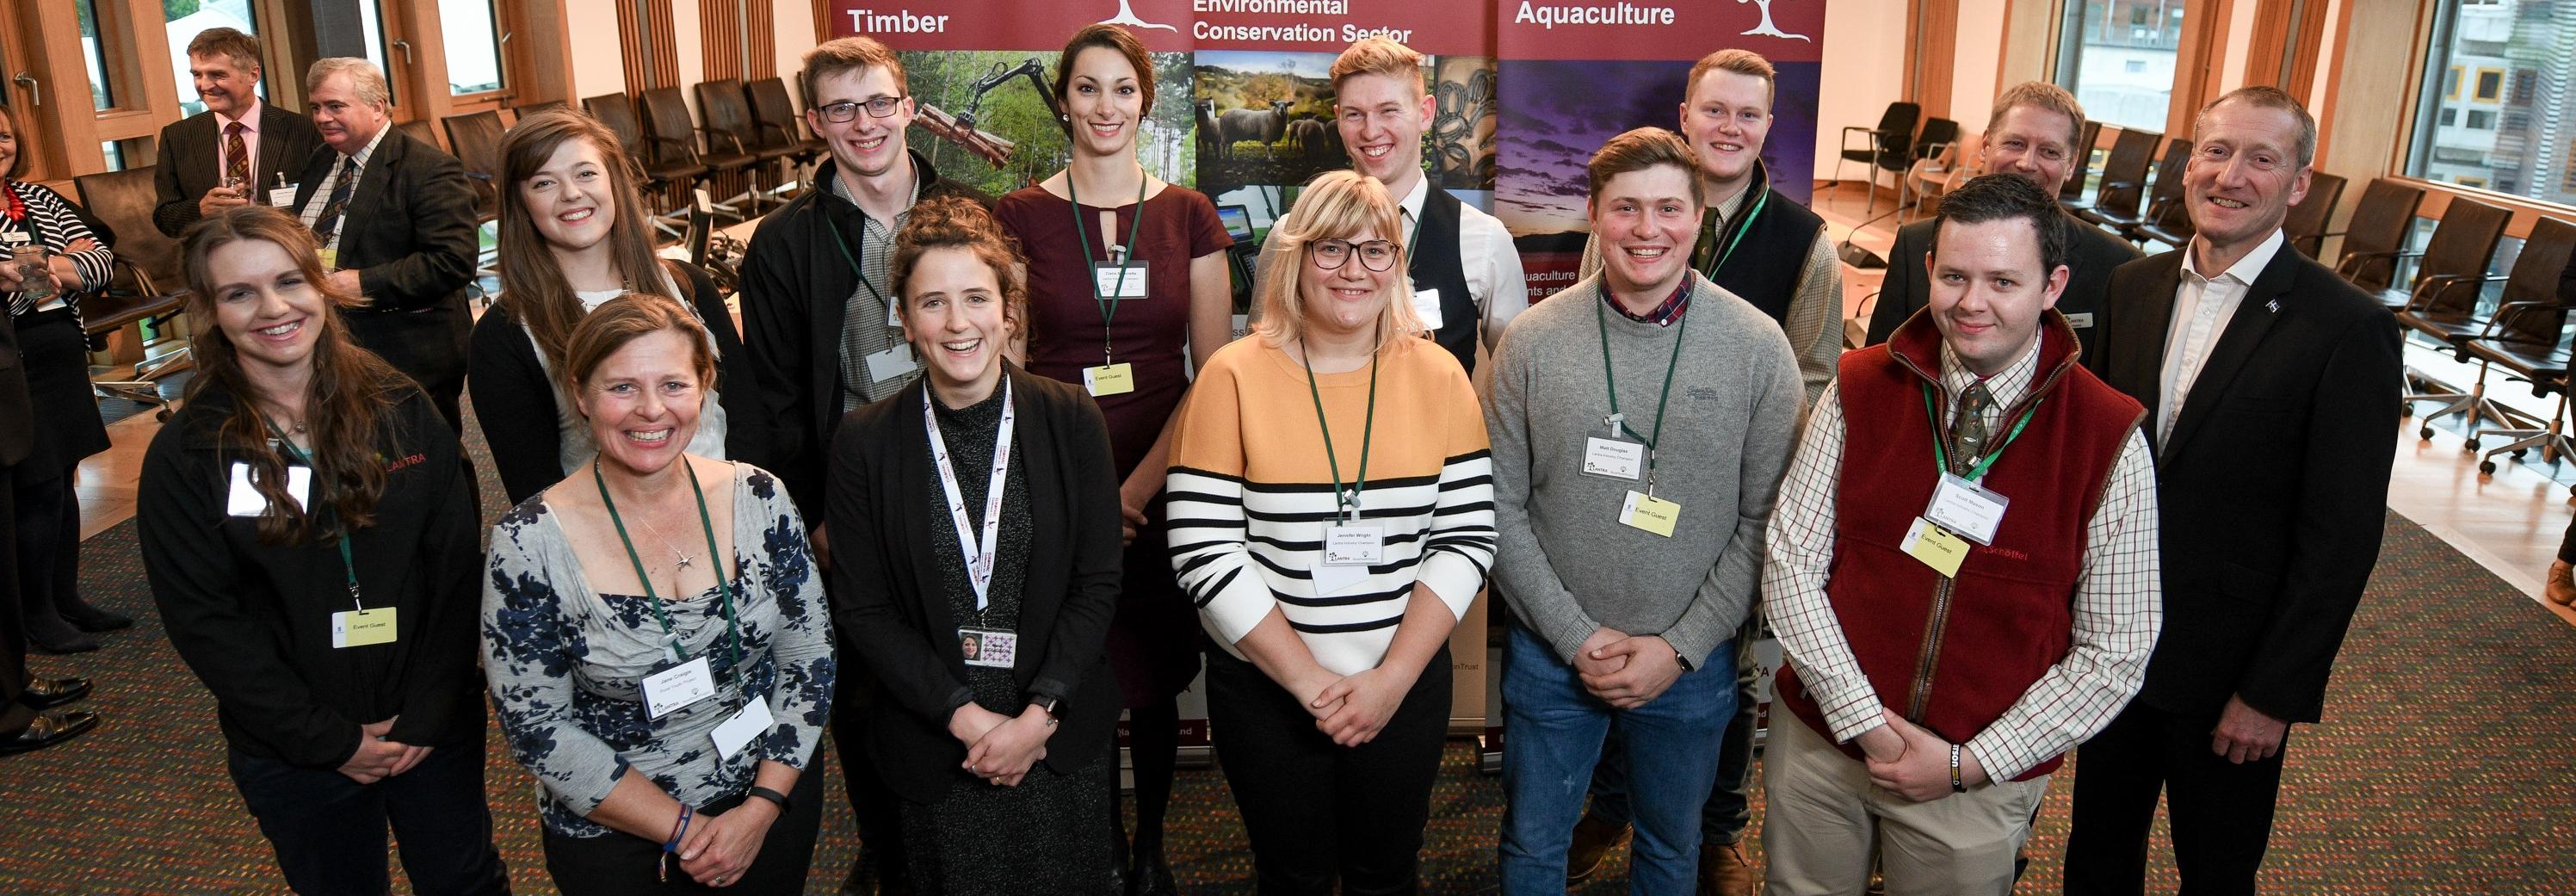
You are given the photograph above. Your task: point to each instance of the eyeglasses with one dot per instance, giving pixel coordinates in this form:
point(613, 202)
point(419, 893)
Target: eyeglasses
point(1375, 255)
point(847, 110)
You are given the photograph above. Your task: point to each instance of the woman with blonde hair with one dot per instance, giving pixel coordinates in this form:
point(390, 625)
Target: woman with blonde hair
point(309, 530)
point(573, 235)
point(1333, 503)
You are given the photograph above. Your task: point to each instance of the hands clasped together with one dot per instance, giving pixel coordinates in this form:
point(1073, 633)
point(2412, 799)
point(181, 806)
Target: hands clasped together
point(999, 748)
point(378, 758)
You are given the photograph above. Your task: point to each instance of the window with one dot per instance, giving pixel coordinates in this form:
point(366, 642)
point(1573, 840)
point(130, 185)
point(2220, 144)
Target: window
point(102, 89)
point(473, 46)
point(183, 19)
point(2118, 58)
point(2510, 66)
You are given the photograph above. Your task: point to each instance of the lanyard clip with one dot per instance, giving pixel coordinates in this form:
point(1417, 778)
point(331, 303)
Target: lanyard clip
point(1117, 255)
point(1350, 500)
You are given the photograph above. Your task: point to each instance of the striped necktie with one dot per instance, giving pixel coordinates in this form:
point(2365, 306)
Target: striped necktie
point(341, 186)
point(236, 158)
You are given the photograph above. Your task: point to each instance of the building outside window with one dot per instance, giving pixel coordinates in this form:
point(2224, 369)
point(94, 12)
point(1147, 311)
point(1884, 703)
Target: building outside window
point(2499, 100)
point(2117, 56)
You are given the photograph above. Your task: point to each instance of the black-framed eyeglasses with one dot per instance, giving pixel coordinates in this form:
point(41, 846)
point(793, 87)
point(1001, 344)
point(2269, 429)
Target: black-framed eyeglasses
point(847, 110)
point(1375, 255)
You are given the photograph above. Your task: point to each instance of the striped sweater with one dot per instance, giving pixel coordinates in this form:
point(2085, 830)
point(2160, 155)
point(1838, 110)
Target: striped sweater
point(1251, 492)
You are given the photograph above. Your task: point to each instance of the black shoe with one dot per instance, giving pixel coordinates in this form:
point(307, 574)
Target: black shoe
point(89, 618)
point(59, 637)
point(1151, 876)
point(47, 693)
point(49, 729)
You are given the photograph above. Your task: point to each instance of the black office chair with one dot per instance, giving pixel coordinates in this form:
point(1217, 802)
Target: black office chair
point(2124, 177)
point(2443, 299)
point(2525, 338)
point(2072, 193)
point(668, 178)
point(477, 139)
point(729, 122)
point(673, 137)
point(1937, 136)
point(145, 284)
point(2163, 196)
point(1890, 147)
point(2376, 232)
point(2306, 225)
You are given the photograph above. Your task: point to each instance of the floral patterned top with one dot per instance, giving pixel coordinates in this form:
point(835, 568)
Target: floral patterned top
point(566, 663)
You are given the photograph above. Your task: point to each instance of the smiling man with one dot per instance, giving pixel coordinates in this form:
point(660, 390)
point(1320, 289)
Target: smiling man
point(1467, 280)
point(819, 327)
point(2031, 133)
point(2274, 385)
point(1640, 423)
point(1962, 572)
point(396, 223)
point(232, 153)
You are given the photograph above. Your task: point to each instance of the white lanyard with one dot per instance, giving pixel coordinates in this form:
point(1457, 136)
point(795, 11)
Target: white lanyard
point(979, 558)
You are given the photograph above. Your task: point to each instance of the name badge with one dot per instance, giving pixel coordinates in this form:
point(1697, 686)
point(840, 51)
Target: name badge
point(1109, 379)
point(678, 686)
point(282, 197)
point(1650, 513)
point(1119, 281)
point(1426, 305)
point(1613, 458)
point(745, 726)
point(1330, 579)
point(243, 499)
point(988, 647)
point(1354, 544)
point(360, 628)
point(330, 259)
point(1966, 509)
point(892, 363)
point(2080, 321)
point(1936, 547)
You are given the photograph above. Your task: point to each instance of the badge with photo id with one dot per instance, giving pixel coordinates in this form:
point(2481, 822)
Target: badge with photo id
point(988, 647)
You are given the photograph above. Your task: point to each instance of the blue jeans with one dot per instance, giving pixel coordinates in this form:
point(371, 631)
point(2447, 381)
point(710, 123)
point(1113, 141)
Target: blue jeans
point(1730, 807)
point(1553, 733)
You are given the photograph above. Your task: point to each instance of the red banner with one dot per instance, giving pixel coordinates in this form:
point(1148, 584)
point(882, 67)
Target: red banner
point(1454, 27)
point(1639, 30)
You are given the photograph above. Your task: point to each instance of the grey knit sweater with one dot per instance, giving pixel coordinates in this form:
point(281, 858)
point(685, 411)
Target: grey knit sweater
point(1564, 561)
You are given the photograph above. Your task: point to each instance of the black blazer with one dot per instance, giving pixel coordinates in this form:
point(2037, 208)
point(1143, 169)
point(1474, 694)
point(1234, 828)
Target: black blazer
point(886, 580)
point(514, 397)
point(2091, 256)
point(409, 227)
point(2274, 484)
point(184, 168)
point(796, 288)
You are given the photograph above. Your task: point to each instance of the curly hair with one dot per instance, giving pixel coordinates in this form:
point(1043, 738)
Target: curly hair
point(953, 222)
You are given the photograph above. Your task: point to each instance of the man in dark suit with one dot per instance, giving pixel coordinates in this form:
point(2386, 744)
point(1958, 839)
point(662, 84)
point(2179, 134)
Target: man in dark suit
point(2271, 388)
point(236, 151)
point(396, 223)
point(27, 721)
point(2032, 133)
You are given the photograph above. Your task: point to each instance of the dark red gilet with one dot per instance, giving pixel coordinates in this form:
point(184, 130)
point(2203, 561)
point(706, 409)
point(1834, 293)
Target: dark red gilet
point(2009, 614)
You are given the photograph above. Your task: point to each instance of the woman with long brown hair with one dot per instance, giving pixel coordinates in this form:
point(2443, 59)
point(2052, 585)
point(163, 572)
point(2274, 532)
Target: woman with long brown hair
point(573, 236)
point(308, 524)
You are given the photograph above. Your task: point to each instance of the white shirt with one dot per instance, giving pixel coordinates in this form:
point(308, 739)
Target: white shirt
point(1485, 253)
point(2202, 307)
point(250, 145)
point(312, 213)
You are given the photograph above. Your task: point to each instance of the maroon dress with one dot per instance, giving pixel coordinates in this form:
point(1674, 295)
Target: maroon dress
point(1153, 640)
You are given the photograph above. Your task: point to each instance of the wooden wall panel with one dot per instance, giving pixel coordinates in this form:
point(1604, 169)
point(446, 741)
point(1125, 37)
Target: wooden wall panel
point(644, 28)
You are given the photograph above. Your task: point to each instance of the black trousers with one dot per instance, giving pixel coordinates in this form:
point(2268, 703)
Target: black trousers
point(1314, 811)
point(880, 822)
point(2222, 812)
point(14, 718)
point(428, 344)
point(329, 831)
point(617, 864)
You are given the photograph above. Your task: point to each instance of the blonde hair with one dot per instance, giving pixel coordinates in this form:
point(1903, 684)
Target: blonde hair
point(1742, 62)
point(365, 79)
point(2046, 97)
point(1335, 205)
point(1377, 56)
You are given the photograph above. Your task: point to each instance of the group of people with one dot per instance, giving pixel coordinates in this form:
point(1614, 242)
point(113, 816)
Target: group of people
point(903, 502)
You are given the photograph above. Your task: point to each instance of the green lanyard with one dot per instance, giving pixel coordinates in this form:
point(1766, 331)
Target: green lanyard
point(1347, 501)
point(1610, 377)
point(671, 640)
point(348, 566)
point(841, 241)
point(1108, 309)
point(1747, 220)
point(1941, 456)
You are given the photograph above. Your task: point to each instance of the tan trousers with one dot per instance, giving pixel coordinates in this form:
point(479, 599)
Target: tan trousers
point(1823, 822)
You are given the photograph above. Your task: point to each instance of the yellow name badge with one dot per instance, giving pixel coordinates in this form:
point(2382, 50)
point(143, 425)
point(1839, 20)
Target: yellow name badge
point(359, 628)
point(1936, 547)
point(1109, 379)
point(330, 260)
point(1650, 513)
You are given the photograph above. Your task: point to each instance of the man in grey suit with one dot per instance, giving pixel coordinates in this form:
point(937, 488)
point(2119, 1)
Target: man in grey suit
point(2032, 133)
point(235, 152)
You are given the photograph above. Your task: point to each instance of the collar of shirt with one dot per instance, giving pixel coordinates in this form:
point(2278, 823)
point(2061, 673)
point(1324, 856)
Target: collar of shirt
point(1411, 210)
point(369, 151)
point(2006, 387)
point(1664, 314)
point(249, 120)
point(2244, 270)
point(841, 190)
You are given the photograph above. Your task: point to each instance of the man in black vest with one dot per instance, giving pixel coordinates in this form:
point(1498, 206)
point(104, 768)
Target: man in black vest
point(235, 152)
point(1772, 252)
point(1467, 279)
point(2032, 133)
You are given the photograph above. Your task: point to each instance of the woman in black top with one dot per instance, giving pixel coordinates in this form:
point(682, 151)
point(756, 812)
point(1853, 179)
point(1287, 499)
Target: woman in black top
point(310, 532)
point(67, 426)
point(1002, 759)
point(573, 236)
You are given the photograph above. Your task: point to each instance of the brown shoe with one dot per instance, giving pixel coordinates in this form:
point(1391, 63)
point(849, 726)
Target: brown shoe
point(1594, 837)
point(1724, 870)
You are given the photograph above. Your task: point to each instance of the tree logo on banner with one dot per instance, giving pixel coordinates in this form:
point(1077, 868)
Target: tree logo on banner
point(1127, 16)
point(1766, 29)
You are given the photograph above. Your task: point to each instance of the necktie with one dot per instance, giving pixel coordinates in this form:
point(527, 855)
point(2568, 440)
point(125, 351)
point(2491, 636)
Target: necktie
point(341, 185)
point(236, 157)
point(1968, 427)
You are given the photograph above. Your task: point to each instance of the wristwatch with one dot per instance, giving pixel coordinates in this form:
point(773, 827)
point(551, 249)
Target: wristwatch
point(1048, 704)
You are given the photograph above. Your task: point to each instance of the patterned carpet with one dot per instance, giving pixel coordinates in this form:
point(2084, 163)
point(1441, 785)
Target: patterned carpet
point(2444, 767)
